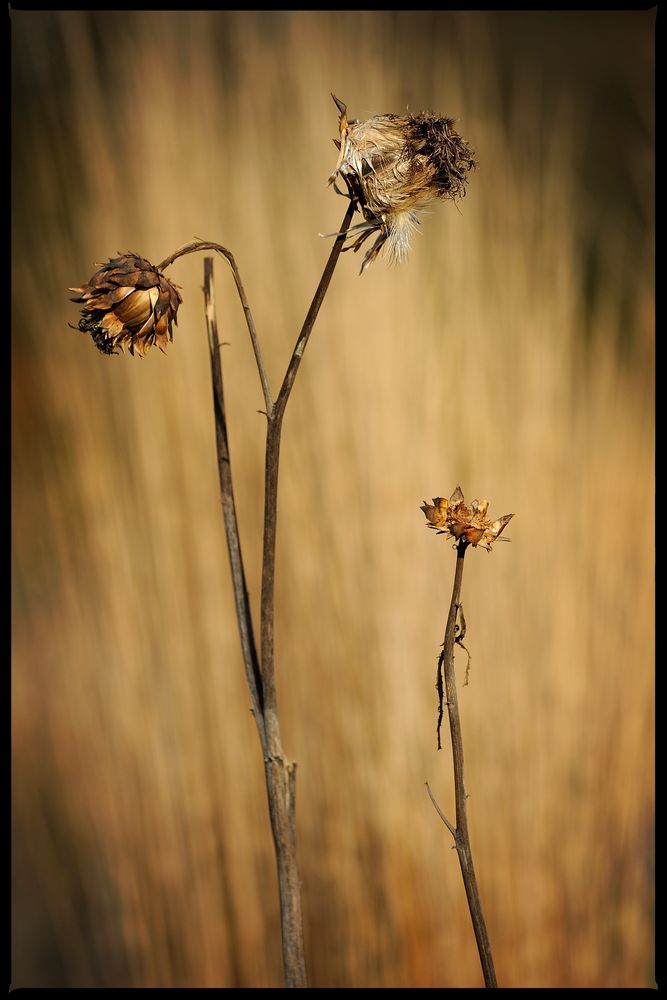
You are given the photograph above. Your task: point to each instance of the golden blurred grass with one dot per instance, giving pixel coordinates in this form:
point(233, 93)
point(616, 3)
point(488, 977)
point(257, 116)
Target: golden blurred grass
point(513, 355)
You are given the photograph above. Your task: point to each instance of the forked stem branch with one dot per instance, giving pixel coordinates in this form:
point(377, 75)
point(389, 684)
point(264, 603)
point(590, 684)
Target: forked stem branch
point(280, 774)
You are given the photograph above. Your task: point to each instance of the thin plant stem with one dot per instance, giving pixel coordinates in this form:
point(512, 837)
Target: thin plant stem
point(273, 440)
point(460, 831)
point(280, 774)
point(243, 612)
point(194, 247)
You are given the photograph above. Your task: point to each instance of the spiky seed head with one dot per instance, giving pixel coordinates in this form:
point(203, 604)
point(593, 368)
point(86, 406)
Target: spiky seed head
point(128, 303)
point(464, 522)
point(393, 166)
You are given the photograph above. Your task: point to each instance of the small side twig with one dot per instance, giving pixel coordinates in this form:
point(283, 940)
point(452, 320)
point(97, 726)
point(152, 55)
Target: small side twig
point(452, 829)
point(460, 831)
point(460, 636)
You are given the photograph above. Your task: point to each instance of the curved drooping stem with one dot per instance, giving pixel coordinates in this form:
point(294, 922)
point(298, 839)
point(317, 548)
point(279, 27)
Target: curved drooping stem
point(194, 247)
point(460, 831)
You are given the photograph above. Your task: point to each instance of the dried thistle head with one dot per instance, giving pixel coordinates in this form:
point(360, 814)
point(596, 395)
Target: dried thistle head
point(128, 303)
point(464, 523)
point(393, 166)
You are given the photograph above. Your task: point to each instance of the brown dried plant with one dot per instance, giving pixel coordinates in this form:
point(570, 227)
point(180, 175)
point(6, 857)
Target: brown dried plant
point(128, 303)
point(453, 517)
point(392, 166)
point(469, 525)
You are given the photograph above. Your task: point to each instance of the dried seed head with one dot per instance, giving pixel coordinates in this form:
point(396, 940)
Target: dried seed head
point(128, 303)
point(464, 523)
point(393, 166)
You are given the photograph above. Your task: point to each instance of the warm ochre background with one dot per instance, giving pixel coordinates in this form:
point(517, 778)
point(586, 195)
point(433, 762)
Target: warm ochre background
point(512, 355)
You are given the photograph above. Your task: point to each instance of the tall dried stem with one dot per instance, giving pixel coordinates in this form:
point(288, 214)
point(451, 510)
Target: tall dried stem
point(280, 774)
point(460, 831)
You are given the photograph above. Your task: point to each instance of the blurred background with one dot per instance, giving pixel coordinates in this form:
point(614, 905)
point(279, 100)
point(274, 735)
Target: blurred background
point(513, 355)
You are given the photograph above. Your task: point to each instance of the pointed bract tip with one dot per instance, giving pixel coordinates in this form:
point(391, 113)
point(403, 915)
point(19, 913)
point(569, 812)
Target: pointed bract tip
point(339, 104)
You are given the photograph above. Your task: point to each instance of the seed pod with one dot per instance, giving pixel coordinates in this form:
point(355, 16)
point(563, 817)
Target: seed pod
point(469, 523)
point(393, 166)
point(128, 303)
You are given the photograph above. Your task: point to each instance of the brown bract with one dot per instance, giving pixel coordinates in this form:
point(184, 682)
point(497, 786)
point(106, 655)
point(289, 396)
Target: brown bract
point(393, 166)
point(128, 303)
point(464, 523)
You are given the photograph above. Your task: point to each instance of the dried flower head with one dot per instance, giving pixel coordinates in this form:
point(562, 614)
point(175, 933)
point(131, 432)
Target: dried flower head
point(464, 523)
point(393, 166)
point(128, 303)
